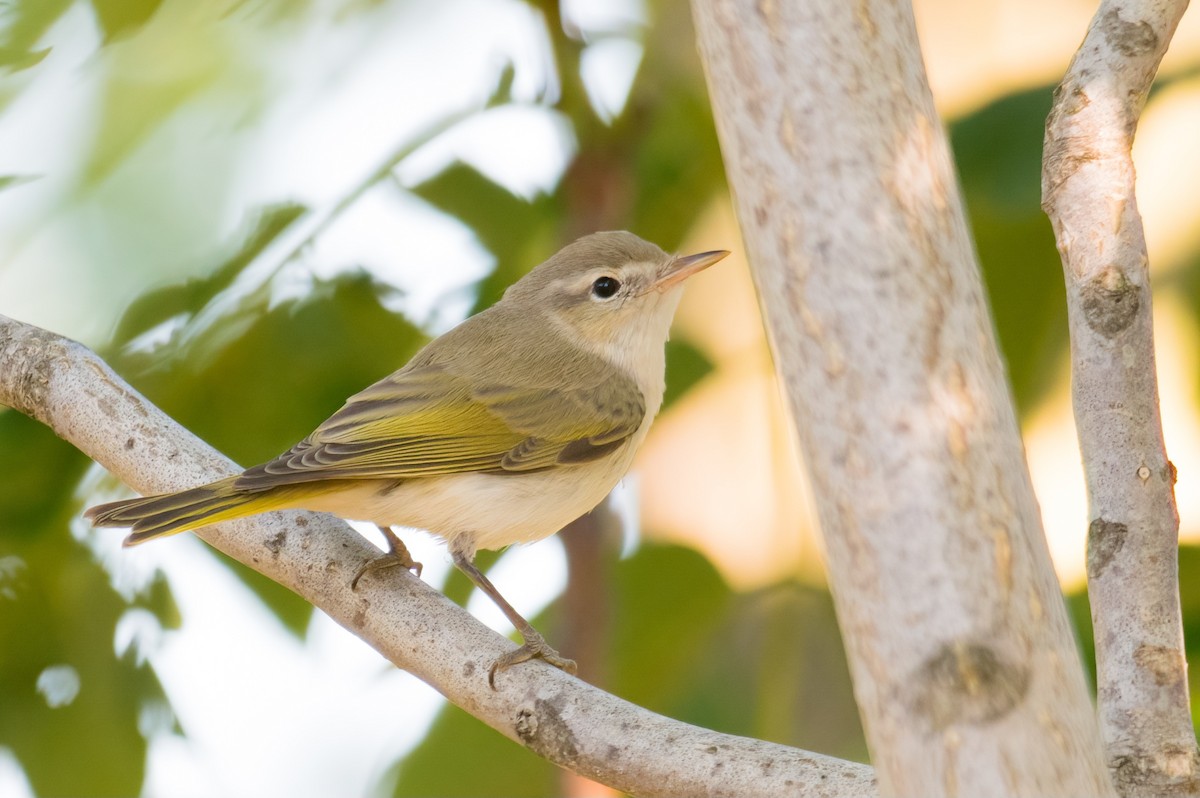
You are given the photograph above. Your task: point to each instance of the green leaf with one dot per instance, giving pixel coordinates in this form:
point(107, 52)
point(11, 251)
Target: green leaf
point(158, 305)
point(998, 151)
point(519, 234)
point(22, 24)
point(8, 181)
point(686, 366)
point(122, 17)
point(59, 610)
point(151, 77)
point(462, 758)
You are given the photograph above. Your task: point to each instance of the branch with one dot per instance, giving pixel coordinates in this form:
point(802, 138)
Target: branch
point(67, 387)
point(1133, 580)
point(963, 659)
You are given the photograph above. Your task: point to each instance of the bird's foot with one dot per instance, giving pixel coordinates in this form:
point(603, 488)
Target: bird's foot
point(397, 556)
point(535, 647)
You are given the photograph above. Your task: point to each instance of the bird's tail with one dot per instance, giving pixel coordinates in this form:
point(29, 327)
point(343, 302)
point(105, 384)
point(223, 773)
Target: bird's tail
point(166, 514)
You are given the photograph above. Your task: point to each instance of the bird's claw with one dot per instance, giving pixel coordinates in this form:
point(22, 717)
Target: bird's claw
point(535, 647)
point(397, 556)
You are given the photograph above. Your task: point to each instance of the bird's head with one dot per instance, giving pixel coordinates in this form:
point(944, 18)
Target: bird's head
point(612, 290)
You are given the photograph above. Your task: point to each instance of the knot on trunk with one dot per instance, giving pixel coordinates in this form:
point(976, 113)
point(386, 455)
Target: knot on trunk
point(1110, 302)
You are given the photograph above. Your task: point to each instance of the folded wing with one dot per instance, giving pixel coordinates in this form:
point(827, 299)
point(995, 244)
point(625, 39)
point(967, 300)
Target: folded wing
point(428, 421)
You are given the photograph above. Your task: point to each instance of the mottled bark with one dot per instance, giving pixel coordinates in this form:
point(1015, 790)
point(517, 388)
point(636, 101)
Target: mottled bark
point(963, 660)
point(1133, 580)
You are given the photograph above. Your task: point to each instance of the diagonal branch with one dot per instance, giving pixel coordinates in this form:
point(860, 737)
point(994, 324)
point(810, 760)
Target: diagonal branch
point(67, 387)
point(1133, 580)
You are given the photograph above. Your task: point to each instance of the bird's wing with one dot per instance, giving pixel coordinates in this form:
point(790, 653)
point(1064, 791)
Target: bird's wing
point(427, 421)
point(566, 427)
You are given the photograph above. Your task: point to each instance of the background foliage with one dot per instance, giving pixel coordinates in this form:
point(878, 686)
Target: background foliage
point(250, 230)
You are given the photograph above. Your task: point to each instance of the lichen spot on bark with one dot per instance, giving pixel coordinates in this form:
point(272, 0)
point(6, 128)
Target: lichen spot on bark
point(1105, 539)
point(1128, 37)
point(1110, 302)
point(968, 682)
point(276, 542)
point(544, 730)
point(1164, 664)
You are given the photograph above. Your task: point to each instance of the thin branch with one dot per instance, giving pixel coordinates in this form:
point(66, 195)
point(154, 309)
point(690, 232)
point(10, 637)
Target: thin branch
point(1133, 580)
point(67, 387)
point(963, 659)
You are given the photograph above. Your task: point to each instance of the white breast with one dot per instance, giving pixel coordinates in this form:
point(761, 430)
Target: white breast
point(486, 511)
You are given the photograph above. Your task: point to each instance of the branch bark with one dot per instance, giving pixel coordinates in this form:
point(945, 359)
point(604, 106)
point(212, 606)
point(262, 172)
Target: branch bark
point(67, 387)
point(1133, 580)
point(963, 659)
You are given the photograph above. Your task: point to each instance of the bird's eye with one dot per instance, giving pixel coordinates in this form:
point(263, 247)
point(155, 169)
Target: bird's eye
point(605, 287)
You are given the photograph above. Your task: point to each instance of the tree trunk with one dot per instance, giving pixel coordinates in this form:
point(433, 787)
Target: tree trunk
point(964, 663)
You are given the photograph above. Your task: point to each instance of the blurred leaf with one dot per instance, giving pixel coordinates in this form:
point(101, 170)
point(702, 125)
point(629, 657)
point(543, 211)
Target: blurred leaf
point(520, 234)
point(289, 369)
point(43, 482)
point(683, 638)
point(462, 758)
point(1189, 598)
point(675, 153)
point(158, 305)
point(686, 366)
point(60, 609)
point(677, 164)
point(502, 94)
point(191, 56)
point(8, 181)
point(16, 60)
point(998, 151)
point(117, 17)
point(22, 24)
point(667, 603)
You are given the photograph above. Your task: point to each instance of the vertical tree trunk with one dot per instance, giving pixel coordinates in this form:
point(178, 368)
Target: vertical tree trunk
point(1133, 579)
point(964, 663)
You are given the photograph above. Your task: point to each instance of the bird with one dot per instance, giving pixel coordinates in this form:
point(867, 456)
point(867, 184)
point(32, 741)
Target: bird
point(502, 430)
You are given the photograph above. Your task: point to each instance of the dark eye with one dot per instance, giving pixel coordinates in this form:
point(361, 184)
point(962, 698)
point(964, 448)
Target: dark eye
point(605, 287)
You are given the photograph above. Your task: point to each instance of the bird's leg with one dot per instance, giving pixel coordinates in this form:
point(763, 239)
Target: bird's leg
point(535, 646)
point(397, 555)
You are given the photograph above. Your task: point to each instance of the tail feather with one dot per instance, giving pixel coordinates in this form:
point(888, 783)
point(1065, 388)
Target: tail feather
point(169, 513)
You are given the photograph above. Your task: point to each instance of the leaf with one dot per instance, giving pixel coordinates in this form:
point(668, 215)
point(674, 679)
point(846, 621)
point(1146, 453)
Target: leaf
point(998, 151)
point(149, 78)
point(520, 234)
point(462, 757)
point(59, 610)
point(9, 181)
point(22, 26)
point(158, 305)
point(123, 17)
point(686, 366)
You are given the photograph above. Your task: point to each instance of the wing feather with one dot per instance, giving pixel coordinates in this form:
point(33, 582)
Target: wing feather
point(427, 421)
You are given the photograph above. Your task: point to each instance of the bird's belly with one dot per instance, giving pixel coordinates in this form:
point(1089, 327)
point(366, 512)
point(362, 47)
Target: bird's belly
point(483, 511)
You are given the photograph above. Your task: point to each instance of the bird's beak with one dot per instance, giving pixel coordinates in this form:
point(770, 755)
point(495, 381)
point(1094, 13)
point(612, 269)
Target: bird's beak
point(680, 269)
